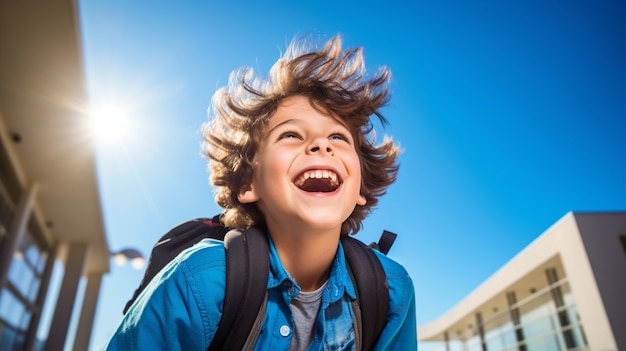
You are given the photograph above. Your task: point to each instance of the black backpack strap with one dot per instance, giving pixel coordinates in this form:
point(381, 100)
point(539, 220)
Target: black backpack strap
point(385, 242)
point(247, 269)
point(372, 289)
point(256, 328)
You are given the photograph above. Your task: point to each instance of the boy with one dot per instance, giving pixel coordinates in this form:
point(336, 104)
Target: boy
point(291, 155)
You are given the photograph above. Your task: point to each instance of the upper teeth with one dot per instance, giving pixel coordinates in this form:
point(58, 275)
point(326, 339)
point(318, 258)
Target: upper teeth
point(317, 174)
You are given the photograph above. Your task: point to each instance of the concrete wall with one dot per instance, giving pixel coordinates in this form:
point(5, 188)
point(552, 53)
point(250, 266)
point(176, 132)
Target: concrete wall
point(600, 234)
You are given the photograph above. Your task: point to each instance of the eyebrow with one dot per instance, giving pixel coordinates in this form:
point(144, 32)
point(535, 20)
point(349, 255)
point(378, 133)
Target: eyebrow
point(287, 121)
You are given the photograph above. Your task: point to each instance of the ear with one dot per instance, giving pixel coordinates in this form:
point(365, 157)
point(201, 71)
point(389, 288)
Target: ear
point(248, 195)
point(360, 200)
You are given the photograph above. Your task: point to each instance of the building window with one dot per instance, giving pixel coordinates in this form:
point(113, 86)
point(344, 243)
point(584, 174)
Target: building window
point(533, 323)
point(18, 296)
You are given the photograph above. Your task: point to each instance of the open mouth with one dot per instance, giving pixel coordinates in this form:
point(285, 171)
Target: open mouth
point(318, 181)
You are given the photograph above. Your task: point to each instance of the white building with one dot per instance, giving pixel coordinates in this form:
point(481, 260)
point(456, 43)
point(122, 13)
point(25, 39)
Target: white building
point(49, 198)
point(565, 291)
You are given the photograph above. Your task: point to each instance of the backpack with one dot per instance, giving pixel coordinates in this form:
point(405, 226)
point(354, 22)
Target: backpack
point(247, 269)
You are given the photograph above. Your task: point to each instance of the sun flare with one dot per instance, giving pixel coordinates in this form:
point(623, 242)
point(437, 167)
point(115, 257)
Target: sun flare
point(110, 123)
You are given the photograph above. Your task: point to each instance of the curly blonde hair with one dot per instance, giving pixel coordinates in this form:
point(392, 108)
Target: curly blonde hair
point(333, 80)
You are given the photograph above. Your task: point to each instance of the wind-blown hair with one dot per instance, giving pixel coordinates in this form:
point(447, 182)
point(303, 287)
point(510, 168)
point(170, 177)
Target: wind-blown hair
point(335, 82)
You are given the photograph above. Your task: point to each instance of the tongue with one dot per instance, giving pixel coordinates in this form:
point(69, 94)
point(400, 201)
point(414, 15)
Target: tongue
point(316, 185)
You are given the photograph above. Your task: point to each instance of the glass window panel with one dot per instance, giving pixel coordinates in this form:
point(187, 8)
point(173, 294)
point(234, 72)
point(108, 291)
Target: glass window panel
point(26, 270)
point(539, 312)
point(492, 334)
point(498, 338)
point(4, 303)
point(17, 268)
point(494, 343)
point(432, 346)
point(473, 341)
point(456, 346)
point(572, 314)
point(24, 246)
point(509, 338)
point(579, 337)
point(18, 343)
point(537, 308)
point(11, 309)
point(41, 265)
point(7, 337)
point(21, 276)
point(32, 255)
point(538, 327)
point(474, 344)
point(25, 320)
point(548, 343)
point(33, 290)
point(568, 299)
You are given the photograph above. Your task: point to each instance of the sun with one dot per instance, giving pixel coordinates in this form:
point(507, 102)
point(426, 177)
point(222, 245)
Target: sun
point(110, 123)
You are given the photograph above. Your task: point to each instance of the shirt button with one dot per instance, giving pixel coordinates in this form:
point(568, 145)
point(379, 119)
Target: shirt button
point(285, 330)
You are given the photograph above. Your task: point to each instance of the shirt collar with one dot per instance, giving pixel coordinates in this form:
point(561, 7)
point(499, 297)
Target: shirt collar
point(339, 281)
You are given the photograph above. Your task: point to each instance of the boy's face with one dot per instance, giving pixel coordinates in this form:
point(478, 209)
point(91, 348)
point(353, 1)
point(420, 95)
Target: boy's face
point(307, 171)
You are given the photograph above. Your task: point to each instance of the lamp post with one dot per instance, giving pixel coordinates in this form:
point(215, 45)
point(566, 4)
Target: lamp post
point(137, 261)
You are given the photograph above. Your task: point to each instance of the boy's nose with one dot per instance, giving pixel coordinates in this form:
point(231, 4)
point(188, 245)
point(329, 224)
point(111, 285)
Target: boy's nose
point(321, 145)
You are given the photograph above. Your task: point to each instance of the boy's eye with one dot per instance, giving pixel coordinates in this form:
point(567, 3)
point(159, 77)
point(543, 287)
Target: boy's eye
point(339, 136)
point(288, 134)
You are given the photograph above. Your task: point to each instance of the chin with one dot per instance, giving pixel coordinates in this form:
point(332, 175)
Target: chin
point(324, 222)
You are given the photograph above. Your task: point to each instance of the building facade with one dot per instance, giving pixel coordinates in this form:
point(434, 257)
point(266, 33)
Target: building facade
point(50, 213)
point(565, 291)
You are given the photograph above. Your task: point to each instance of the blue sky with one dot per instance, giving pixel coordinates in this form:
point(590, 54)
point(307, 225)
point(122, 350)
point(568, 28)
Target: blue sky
point(510, 115)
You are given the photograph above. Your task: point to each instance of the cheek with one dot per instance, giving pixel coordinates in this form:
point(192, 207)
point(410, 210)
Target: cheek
point(272, 165)
point(355, 163)
point(359, 168)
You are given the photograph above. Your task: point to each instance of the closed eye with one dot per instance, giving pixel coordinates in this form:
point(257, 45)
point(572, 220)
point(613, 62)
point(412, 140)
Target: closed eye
point(340, 136)
point(289, 134)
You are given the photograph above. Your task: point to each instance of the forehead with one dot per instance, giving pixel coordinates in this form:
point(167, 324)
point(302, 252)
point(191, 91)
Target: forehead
point(299, 107)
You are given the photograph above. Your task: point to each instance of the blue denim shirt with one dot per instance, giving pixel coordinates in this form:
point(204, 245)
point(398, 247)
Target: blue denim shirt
point(181, 307)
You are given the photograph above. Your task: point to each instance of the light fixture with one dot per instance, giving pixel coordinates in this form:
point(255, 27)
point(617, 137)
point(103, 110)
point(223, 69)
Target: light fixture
point(137, 261)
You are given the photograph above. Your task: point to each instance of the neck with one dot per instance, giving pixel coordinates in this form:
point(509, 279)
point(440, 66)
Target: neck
point(307, 255)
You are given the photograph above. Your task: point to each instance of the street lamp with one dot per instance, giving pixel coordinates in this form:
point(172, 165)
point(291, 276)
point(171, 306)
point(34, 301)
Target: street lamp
point(137, 261)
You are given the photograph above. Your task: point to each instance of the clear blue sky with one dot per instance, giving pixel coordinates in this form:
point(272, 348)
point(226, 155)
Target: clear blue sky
point(510, 114)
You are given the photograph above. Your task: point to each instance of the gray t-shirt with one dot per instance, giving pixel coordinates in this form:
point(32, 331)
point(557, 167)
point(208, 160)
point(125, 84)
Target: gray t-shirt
point(304, 309)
